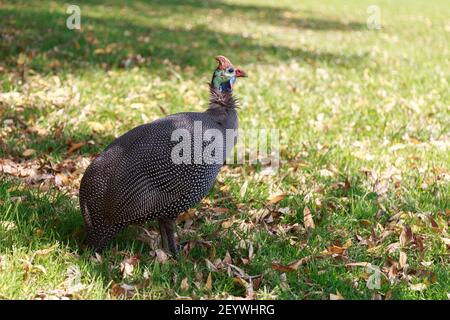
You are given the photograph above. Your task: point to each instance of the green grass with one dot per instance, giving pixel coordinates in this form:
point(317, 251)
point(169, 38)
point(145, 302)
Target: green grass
point(370, 106)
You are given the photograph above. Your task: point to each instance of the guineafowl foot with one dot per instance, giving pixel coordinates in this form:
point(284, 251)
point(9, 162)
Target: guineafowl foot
point(167, 229)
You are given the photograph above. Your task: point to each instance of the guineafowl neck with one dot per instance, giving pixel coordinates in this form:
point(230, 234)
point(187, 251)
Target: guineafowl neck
point(222, 108)
point(226, 117)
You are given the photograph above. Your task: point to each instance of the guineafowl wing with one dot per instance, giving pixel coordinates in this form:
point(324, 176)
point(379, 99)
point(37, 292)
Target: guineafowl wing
point(149, 183)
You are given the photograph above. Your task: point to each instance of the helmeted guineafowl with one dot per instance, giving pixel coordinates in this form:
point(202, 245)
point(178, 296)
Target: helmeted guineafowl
point(139, 176)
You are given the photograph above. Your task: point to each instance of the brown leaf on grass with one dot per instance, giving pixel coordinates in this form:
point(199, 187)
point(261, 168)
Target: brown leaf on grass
point(365, 222)
point(347, 184)
point(392, 247)
point(211, 266)
point(336, 296)
point(44, 252)
point(187, 215)
point(393, 270)
point(334, 250)
point(308, 221)
point(293, 266)
point(28, 153)
point(61, 180)
point(184, 285)
point(29, 268)
point(446, 241)
point(418, 241)
point(22, 59)
point(97, 258)
point(406, 236)
point(227, 259)
point(418, 287)
point(248, 286)
point(70, 292)
point(220, 210)
point(256, 281)
point(228, 223)
point(75, 146)
point(250, 251)
point(161, 256)
point(127, 265)
point(55, 64)
point(236, 271)
point(433, 223)
point(243, 190)
point(388, 295)
point(208, 284)
point(122, 291)
point(273, 199)
point(358, 264)
point(376, 296)
point(259, 215)
point(403, 258)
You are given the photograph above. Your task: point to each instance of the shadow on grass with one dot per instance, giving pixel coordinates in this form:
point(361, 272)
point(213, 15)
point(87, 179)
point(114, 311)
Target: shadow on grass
point(277, 16)
point(116, 34)
point(43, 219)
point(107, 40)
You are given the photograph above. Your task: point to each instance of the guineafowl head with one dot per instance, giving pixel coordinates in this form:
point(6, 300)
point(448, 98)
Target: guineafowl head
point(225, 75)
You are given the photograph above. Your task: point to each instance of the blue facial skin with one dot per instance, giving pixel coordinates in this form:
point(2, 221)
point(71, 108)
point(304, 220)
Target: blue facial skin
point(228, 86)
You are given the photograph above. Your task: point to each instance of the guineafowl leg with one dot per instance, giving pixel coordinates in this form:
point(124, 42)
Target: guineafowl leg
point(167, 230)
point(163, 232)
point(171, 229)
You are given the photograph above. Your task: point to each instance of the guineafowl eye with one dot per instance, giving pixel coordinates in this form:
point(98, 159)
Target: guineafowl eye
point(230, 70)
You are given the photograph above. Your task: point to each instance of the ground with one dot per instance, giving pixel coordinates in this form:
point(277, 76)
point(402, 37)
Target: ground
point(363, 189)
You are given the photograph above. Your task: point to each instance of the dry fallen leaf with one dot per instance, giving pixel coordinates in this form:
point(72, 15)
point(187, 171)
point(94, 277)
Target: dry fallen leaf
point(358, 264)
point(403, 258)
point(243, 190)
point(28, 153)
point(227, 259)
point(74, 147)
point(293, 266)
point(184, 286)
point(208, 284)
point(275, 198)
point(248, 286)
point(335, 250)
point(347, 184)
point(336, 296)
point(187, 215)
point(220, 210)
point(122, 290)
point(446, 241)
point(211, 266)
point(127, 265)
point(308, 219)
point(227, 223)
point(250, 251)
point(406, 236)
point(61, 180)
point(418, 287)
point(46, 251)
point(161, 256)
point(8, 225)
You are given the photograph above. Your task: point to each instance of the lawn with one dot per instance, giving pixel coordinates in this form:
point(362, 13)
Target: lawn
point(364, 122)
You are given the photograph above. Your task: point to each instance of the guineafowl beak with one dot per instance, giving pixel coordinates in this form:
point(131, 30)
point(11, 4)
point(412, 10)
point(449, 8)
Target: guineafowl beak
point(240, 73)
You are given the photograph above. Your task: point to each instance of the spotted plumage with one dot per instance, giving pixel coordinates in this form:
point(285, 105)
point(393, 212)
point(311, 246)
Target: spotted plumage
point(135, 178)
